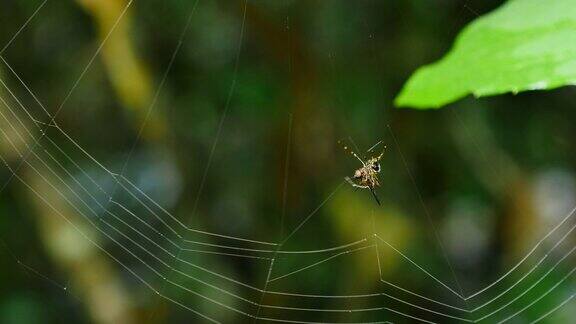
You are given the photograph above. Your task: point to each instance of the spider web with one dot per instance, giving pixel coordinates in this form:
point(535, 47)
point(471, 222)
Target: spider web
point(181, 263)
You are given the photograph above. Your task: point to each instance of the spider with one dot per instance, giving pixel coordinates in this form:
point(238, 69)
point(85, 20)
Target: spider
point(366, 177)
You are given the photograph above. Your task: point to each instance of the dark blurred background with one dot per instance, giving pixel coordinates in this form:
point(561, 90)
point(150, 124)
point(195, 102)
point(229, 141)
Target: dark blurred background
point(201, 119)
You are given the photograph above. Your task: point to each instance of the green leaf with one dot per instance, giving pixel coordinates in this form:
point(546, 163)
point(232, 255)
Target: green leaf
point(523, 45)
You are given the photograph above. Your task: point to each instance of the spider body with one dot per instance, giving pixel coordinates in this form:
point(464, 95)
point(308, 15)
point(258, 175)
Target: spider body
point(366, 177)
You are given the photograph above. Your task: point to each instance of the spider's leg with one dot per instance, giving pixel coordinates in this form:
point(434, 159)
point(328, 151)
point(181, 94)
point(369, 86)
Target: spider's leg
point(381, 154)
point(374, 146)
point(375, 197)
point(359, 159)
point(354, 184)
point(350, 181)
point(354, 154)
